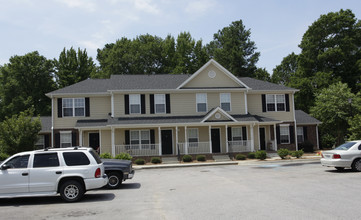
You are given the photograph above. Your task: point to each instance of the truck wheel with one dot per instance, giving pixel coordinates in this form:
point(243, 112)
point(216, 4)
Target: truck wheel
point(71, 191)
point(115, 180)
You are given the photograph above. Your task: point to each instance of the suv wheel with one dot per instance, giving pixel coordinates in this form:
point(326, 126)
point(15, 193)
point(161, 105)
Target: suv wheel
point(71, 191)
point(115, 180)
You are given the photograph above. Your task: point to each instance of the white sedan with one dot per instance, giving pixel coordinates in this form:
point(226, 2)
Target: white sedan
point(347, 155)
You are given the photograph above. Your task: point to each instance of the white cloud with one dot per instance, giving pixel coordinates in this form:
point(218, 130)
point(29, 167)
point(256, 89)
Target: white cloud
point(200, 7)
point(88, 5)
point(146, 6)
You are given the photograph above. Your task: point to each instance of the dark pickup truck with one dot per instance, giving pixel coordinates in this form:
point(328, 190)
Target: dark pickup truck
point(117, 171)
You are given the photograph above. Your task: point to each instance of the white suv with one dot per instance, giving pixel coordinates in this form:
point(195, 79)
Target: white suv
point(68, 171)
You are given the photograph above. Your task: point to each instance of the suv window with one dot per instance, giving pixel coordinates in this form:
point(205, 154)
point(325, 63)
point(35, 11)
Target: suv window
point(46, 160)
point(19, 162)
point(96, 156)
point(75, 159)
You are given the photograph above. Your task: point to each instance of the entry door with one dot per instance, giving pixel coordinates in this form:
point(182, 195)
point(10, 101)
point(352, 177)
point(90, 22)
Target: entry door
point(94, 140)
point(216, 140)
point(262, 138)
point(167, 140)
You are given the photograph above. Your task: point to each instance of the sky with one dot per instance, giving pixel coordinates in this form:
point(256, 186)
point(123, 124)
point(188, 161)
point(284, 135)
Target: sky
point(49, 26)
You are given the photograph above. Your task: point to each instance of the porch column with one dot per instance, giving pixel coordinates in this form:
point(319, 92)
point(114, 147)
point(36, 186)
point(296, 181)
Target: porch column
point(176, 140)
point(160, 141)
point(113, 142)
point(112, 104)
point(227, 138)
point(275, 134)
point(185, 140)
point(80, 137)
point(318, 145)
point(252, 137)
point(210, 138)
point(100, 141)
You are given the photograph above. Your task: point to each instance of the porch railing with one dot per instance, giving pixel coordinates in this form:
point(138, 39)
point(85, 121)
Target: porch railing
point(138, 149)
point(194, 148)
point(239, 146)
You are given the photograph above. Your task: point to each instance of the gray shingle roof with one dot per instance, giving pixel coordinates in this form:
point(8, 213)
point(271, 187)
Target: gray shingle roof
point(256, 84)
point(45, 124)
point(304, 118)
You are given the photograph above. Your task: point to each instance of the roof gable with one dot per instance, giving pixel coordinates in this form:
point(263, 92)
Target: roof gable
point(218, 114)
point(212, 75)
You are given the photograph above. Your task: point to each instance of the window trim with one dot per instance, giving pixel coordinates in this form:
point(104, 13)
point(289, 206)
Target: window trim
point(298, 134)
point(140, 139)
point(275, 103)
point(71, 138)
point(40, 144)
point(155, 103)
point(287, 128)
point(198, 101)
point(233, 136)
point(188, 135)
point(230, 101)
point(73, 107)
point(130, 104)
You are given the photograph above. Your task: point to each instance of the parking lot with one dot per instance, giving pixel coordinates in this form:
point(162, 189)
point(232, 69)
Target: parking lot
point(260, 190)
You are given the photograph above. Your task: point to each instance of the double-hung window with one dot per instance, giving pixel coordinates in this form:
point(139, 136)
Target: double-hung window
point(237, 134)
point(276, 103)
point(300, 136)
point(201, 99)
point(193, 137)
point(41, 142)
point(73, 107)
point(65, 139)
point(225, 101)
point(284, 134)
point(159, 102)
point(134, 104)
point(140, 138)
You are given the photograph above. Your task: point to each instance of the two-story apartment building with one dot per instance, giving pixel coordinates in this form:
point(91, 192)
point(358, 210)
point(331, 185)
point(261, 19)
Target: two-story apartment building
point(209, 112)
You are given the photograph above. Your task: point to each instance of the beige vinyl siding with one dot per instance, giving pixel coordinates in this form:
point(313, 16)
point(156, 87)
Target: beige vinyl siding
point(106, 141)
point(255, 108)
point(203, 80)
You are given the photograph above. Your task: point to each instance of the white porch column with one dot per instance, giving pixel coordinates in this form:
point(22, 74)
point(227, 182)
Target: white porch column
point(252, 137)
point(176, 140)
point(113, 142)
point(318, 145)
point(227, 139)
point(210, 138)
point(160, 141)
point(185, 140)
point(80, 137)
point(275, 134)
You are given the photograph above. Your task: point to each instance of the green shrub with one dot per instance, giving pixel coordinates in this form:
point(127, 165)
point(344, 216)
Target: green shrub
point(251, 155)
point(283, 153)
point(139, 161)
point(297, 154)
point(155, 160)
point(3, 156)
point(123, 156)
point(201, 158)
point(187, 158)
point(105, 156)
point(240, 157)
point(261, 154)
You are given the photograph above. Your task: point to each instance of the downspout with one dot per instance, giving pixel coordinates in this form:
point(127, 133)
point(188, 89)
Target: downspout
point(52, 122)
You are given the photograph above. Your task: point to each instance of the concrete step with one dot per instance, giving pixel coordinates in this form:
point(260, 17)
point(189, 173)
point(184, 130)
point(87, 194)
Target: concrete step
point(219, 158)
point(169, 160)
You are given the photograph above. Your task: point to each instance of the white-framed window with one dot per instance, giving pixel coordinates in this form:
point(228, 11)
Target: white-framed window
point(159, 103)
point(201, 99)
point(65, 139)
point(134, 104)
point(276, 102)
point(73, 107)
point(193, 137)
point(225, 99)
point(284, 134)
point(140, 138)
point(41, 142)
point(300, 136)
point(237, 134)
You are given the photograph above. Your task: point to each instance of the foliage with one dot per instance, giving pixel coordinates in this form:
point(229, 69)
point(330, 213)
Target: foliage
point(73, 67)
point(187, 158)
point(262, 74)
point(19, 133)
point(306, 146)
point(24, 81)
point(251, 155)
point(105, 156)
point(234, 50)
point(240, 157)
point(201, 158)
point(283, 153)
point(282, 73)
point(3, 156)
point(155, 160)
point(139, 161)
point(355, 127)
point(261, 155)
point(297, 154)
point(123, 156)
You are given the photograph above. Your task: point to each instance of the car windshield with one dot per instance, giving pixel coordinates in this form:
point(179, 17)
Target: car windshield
point(345, 146)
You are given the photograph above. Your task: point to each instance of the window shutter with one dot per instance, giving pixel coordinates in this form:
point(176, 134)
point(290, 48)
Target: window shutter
point(151, 100)
point(305, 133)
point(244, 133)
point(264, 106)
point(46, 140)
point(126, 104)
point(278, 134)
point(152, 136)
point(73, 138)
point(57, 140)
point(60, 108)
point(292, 135)
point(127, 137)
point(142, 103)
point(229, 131)
point(287, 97)
point(87, 107)
point(167, 103)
